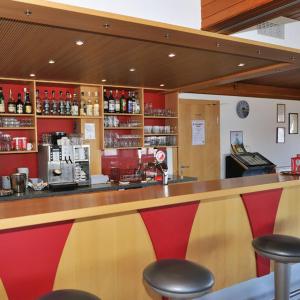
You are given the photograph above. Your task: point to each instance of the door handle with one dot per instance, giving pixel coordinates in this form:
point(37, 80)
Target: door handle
point(184, 167)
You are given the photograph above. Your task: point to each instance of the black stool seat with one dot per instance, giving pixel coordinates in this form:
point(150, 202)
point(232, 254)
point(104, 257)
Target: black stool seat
point(69, 295)
point(178, 278)
point(281, 248)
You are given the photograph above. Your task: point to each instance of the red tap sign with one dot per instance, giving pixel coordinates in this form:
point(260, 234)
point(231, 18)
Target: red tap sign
point(160, 156)
point(295, 164)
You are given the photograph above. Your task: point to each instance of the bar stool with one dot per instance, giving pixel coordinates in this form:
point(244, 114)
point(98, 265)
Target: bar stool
point(69, 295)
point(284, 250)
point(178, 278)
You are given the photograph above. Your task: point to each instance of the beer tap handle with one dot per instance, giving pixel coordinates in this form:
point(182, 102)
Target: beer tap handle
point(66, 160)
point(70, 160)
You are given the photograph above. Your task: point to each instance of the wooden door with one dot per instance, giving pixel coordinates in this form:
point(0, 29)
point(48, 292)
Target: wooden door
point(202, 161)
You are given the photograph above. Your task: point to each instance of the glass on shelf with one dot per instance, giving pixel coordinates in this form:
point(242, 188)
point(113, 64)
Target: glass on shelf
point(115, 140)
point(156, 141)
point(167, 129)
point(15, 123)
point(158, 112)
point(114, 122)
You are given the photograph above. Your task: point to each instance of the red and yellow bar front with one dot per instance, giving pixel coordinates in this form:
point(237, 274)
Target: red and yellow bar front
point(101, 242)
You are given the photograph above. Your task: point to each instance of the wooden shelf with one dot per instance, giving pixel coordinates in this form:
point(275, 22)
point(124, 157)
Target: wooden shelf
point(159, 134)
point(123, 128)
point(67, 117)
point(160, 146)
point(17, 128)
point(17, 115)
point(159, 117)
point(120, 114)
point(123, 148)
point(17, 152)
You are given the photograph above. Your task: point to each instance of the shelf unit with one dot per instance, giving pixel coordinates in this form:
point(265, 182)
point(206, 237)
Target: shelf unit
point(77, 123)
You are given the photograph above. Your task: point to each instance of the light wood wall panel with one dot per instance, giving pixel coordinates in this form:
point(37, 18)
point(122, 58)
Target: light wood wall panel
point(221, 240)
point(3, 295)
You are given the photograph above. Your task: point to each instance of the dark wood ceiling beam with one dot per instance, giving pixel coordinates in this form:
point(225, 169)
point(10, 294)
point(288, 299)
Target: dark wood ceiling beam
point(240, 76)
point(253, 90)
point(222, 23)
point(81, 19)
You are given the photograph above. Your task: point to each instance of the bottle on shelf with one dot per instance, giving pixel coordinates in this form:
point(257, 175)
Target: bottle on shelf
point(75, 106)
point(89, 106)
point(117, 102)
point(82, 105)
point(39, 108)
point(2, 103)
point(123, 103)
point(96, 109)
point(62, 108)
point(11, 105)
point(46, 108)
point(137, 105)
point(19, 104)
point(105, 101)
point(27, 103)
point(133, 103)
point(129, 104)
point(54, 108)
point(68, 107)
point(111, 103)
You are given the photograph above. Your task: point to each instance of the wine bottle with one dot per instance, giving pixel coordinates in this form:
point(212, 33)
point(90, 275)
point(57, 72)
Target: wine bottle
point(19, 104)
point(129, 104)
point(68, 108)
point(105, 101)
point(75, 106)
point(96, 105)
point(117, 102)
point(111, 103)
point(89, 107)
point(27, 104)
point(2, 104)
point(38, 103)
point(11, 105)
point(123, 103)
point(46, 108)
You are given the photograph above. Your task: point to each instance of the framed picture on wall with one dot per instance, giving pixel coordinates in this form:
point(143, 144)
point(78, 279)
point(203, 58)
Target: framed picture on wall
point(293, 123)
point(280, 113)
point(280, 135)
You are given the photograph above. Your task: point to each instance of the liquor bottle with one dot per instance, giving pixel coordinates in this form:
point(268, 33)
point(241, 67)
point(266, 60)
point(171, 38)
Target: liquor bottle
point(27, 104)
point(123, 103)
point(89, 107)
point(61, 105)
point(117, 102)
point(82, 105)
point(19, 104)
point(96, 109)
point(75, 106)
point(111, 103)
point(68, 107)
point(129, 104)
point(46, 108)
point(54, 108)
point(2, 104)
point(133, 103)
point(11, 105)
point(137, 105)
point(105, 101)
point(39, 108)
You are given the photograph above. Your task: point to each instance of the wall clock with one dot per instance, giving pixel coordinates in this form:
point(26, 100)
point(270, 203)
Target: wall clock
point(242, 109)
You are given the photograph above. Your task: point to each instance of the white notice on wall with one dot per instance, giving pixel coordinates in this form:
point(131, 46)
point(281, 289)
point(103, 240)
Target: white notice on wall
point(198, 132)
point(89, 131)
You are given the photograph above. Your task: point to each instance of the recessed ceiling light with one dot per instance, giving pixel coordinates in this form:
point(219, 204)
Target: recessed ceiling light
point(241, 65)
point(132, 69)
point(172, 55)
point(28, 12)
point(32, 75)
point(79, 43)
point(51, 61)
point(161, 85)
point(103, 80)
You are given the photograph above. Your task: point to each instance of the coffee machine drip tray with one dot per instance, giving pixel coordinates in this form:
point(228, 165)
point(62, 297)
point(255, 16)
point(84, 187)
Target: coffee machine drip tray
point(66, 186)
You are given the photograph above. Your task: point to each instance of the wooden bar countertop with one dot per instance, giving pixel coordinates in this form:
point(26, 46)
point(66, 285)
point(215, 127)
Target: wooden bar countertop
point(20, 213)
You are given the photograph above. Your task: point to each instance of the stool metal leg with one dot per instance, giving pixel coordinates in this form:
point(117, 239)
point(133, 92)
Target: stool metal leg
point(282, 275)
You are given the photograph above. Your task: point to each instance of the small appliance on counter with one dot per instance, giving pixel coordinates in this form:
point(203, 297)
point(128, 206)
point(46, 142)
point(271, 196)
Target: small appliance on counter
point(18, 183)
point(64, 166)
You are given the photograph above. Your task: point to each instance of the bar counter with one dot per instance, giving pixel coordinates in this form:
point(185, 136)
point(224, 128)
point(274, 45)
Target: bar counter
point(101, 241)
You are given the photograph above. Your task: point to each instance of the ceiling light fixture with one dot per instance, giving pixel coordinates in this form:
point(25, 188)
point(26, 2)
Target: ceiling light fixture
point(79, 43)
point(241, 65)
point(32, 75)
point(103, 80)
point(28, 12)
point(132, 69)
point(51, 61)
point(162, 85)
point(171, 55)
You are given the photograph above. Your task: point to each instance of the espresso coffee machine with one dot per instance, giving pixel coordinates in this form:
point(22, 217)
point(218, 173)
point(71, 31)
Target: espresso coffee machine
point(64, 167)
